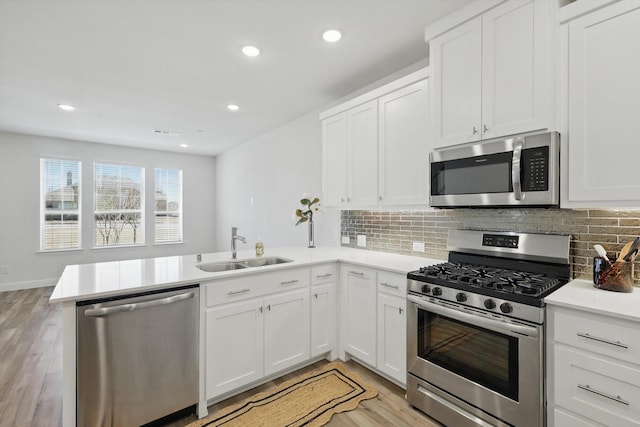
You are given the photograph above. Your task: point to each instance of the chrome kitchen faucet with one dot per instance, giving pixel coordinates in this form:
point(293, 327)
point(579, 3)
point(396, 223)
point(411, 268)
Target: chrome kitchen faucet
point(234, 237)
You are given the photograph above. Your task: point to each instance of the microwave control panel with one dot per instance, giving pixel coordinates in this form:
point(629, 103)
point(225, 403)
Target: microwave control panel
point(535, 168)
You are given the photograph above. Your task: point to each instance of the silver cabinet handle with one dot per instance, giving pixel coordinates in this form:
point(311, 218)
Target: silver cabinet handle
point(379, 198)
point(606, 341)
point(241, 291)
point(475, 130)
point(400, 310)
point(290, 282)
point(485, 129)
point(389, 286)
point(268, 307)
point(260, 309)
point(316, 296)
point(105, 311)
point(515, 168)
point(357, 273)
point(342, 199)
point(588, 388)
point(323, 276)
point(348, 199)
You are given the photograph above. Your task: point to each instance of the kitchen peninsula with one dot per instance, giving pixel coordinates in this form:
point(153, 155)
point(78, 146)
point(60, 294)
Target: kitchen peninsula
point(311, 271)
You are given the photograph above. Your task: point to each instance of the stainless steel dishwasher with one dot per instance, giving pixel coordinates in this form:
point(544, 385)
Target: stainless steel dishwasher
point(137, 357)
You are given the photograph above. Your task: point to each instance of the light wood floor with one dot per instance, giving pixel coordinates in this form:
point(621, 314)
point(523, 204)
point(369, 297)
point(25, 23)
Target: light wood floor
point(31, 373)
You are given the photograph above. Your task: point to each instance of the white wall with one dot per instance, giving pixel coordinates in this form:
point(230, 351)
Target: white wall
point(273, 170)
point(20, 215)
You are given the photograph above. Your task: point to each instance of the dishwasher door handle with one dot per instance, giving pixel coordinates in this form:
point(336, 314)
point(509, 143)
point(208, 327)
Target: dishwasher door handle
point(97, 312)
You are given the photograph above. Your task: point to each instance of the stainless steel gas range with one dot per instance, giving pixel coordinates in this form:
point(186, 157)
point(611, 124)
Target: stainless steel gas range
point(475, 343)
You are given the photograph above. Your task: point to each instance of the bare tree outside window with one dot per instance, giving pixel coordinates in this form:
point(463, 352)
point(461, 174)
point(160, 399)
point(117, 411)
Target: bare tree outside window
point(118, 204)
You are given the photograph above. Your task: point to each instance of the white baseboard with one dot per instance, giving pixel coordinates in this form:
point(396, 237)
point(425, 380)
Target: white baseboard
point(27, 284)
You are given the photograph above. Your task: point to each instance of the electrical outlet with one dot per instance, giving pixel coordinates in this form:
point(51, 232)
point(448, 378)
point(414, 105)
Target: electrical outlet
point(4, 270)
point(362, 240)
point(346, 240)
point(418, 247)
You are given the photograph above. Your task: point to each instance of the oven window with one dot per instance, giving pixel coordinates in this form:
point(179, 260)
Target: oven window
point(485, 357)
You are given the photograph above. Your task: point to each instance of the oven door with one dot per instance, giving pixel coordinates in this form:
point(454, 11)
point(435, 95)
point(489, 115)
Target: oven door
point(490, 362)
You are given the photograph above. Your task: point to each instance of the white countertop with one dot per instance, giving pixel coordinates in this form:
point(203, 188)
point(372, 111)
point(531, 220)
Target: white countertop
point(582, 295)
point(105, 279)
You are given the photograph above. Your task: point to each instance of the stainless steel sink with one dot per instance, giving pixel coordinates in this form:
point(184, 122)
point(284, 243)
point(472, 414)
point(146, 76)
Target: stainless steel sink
point(270, 260)
point(213, 267)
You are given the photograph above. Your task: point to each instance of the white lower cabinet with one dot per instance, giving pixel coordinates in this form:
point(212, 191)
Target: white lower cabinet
point(392, 337)
point(392, 326)
point(594, 369)
point(234, 346)
point(358, 324)
point(255, 337)
point(286, 330)
point(323, 310)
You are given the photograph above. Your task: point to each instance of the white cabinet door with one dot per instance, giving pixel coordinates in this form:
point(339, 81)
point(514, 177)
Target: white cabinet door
point(604, 101)
point(516, 84)
point(362, 125)
point(359, 313)
point(456, 77)
point(404, 146)
point(234, 346)
point(323, 319)
point(334, 160)
point(286, 330)
point(392, 337)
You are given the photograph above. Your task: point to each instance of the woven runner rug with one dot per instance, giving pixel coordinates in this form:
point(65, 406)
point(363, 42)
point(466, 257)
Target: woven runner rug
point(309, 400)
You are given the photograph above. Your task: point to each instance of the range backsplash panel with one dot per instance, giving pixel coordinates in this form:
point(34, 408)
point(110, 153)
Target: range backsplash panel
point(395, 231)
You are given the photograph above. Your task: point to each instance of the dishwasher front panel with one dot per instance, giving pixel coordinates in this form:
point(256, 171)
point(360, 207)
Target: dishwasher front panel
point(137, 358)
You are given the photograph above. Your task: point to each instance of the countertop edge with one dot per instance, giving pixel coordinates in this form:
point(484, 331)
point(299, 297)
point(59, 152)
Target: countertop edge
point(75, 277)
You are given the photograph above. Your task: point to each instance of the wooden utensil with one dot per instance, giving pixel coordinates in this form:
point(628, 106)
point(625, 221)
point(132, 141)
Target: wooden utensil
point(625, 251)
point(633, 250)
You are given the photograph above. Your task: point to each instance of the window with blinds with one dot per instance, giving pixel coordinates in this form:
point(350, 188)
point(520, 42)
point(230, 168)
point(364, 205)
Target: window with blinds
point(118, 192)
point(168, 206)
point(59, 204)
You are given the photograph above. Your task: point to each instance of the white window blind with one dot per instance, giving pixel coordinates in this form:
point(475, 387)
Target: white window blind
point(59, 204)
point(168, 205)
point(118, 204)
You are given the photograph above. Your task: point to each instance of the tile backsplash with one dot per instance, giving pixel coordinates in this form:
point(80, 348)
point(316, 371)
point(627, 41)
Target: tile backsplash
point(395, 231)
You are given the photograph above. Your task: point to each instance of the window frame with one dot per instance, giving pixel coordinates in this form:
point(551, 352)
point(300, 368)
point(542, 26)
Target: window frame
point(119, 211)
point(167, 211)
point(43, 205)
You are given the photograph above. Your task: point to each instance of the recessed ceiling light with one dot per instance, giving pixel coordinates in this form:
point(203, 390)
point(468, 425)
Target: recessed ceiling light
point(66, 107)
point(332, 36)
point(250, 50)
point(184, 145)
point(232, 107)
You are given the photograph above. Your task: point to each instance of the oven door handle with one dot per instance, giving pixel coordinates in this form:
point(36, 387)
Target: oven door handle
point(494, 325)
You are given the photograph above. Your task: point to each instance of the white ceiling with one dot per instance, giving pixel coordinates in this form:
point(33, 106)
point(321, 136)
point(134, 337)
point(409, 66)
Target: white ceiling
point(133, 66)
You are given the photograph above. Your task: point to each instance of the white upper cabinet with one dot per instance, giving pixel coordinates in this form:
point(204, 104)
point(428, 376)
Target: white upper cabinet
point(602, 78)
point(375, 147)
point(362, 173)
point(403, 146)
point(334, 160)
point(492, 75)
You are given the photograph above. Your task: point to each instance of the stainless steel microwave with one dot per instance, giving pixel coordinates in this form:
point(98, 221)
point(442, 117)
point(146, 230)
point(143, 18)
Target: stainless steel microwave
point(523, 170)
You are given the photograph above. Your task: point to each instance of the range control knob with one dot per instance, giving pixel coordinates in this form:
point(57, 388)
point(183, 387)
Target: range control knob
point(489, 304)
point(461, 297)
point(505, 307)
point(426, 289)
point(436, 291)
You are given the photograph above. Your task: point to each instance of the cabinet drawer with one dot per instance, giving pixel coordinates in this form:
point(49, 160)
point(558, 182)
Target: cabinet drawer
point(323, 274)
point(255, 285)
point(392, 283)
point(565, 419)
point(604, 335)
point(597, 388)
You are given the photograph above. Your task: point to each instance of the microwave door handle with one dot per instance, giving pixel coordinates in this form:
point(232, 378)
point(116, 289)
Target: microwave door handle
point(515, 169)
